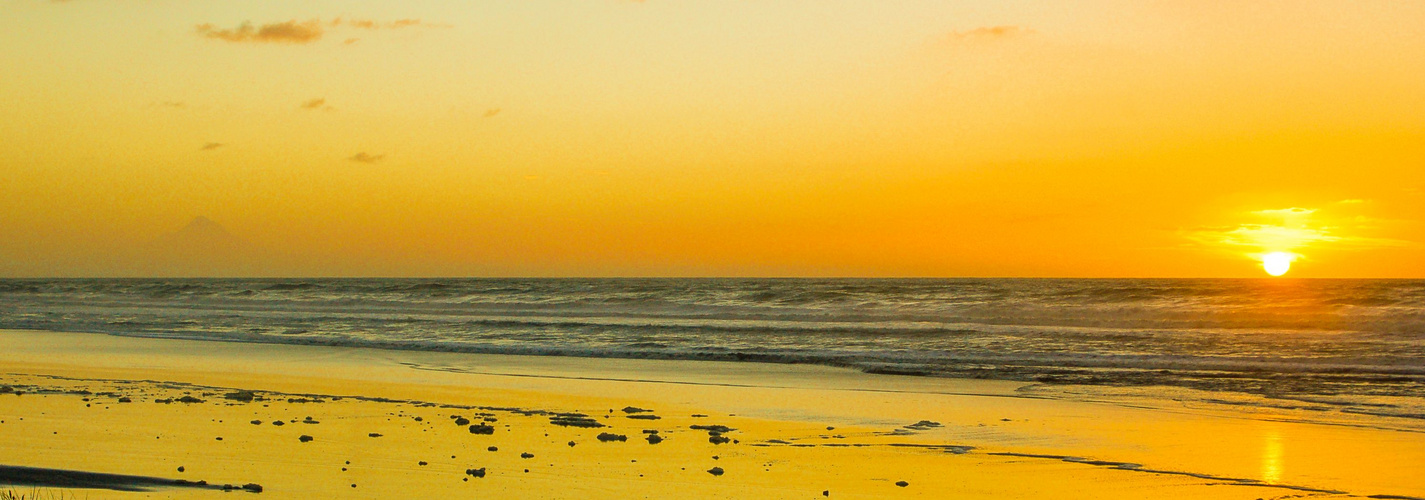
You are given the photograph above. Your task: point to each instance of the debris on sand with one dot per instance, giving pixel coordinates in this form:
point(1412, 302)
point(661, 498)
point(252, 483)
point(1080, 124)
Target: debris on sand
point(482, 429)
point(606, 437)
point(716, 471)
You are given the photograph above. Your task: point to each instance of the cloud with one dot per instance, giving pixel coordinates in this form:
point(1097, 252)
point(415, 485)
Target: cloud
point(315, 104)
point(492, 112)
point(363, 157)
point(290, 32)
point(173, 104)
point(212, 145)
point(1292, 229)
point(988, 33)
point(368, 24)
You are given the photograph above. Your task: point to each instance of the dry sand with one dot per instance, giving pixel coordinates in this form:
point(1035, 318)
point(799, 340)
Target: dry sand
point(393, 424)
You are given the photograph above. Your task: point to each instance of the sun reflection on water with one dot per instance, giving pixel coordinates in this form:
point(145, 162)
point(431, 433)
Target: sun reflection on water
point(1272, 456)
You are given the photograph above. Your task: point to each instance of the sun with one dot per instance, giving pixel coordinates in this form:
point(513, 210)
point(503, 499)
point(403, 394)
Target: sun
point(1277, 263)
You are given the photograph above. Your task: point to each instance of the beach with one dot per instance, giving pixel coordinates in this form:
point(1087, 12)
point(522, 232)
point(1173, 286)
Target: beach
point(401, 424)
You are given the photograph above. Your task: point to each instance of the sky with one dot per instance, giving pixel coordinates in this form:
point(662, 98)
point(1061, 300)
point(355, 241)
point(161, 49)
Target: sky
point(1145, 138)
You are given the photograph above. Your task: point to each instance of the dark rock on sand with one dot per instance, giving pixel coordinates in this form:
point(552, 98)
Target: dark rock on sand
point(244, 396)
point(526, 455)
point(716, 471)
point(923, 425)
point(571, 444)
point(253, 487)
point(475, 472)
point(712, 428)
point(718, 439)
point(571, 420)
point(278, 423)
point(304, 438)
point(654, 439)
point(492, 448)
point(418, 419)
point(634, 409)
point(422, 463)
point(374, 434)
point(462, 421)
point(189, 399)
point(826, 493)
point(482, 429)
point(5, 389)
point(309, 420)
point(645, 417)
point(180, 468)
point(902, 484)
point(606, 437)
point(125, 399)
point(256, 422)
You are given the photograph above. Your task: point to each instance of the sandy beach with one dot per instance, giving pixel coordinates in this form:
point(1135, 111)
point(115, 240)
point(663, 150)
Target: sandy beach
point(308, 421)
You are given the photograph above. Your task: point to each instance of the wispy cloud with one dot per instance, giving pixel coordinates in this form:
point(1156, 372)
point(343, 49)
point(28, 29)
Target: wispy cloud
point(364, 157)
point(173, 104)
point(492, 112)
point(290, 32)
point(302, 32)
point(316, 104)
point(987, 33)
point(212, 145)
point(1292, 230)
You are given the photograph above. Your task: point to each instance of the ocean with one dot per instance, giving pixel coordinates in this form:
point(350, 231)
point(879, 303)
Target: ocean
point(1272, 337)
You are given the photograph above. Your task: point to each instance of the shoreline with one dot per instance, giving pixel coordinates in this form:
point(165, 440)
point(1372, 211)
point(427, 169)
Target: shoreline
point(1120, 446)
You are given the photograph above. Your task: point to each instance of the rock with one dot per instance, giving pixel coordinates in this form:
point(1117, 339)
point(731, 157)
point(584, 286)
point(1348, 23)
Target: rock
point(716, 471)
point(571, 444)
point(189, 399)
point(718, 439)
point(475, 472)
point(374, 434)
point(526, 455)
point(418, 419)
point(304, 438)
point(180, 468)
point(569, 420)
point(5, 389)
point(830, 428)
point(645, 417)
point(462, 421)
point(712, 428)
point(482, 429)
point(125, 399)
point(309, 420)
point(244, 396)
point(902, 484)
point(253, 487)
point(923, 425)
point(826, 493)
point(606, 437)
point(422, 463)
point(634, 409)
point(492, 448)
point(654, 439)
point(256, 422)
point(278, 423)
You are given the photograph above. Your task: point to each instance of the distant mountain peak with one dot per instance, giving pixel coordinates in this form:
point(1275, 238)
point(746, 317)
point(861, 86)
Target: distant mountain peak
point(205, 226)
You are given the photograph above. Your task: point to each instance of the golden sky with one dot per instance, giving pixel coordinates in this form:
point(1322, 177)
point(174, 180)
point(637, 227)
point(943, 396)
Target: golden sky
point(711, 138)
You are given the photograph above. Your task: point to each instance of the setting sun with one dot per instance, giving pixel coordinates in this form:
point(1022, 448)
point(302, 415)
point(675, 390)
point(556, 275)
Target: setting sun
point(1277, 263)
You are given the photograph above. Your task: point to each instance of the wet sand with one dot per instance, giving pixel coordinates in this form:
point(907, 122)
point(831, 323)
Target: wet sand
point(399, 424)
